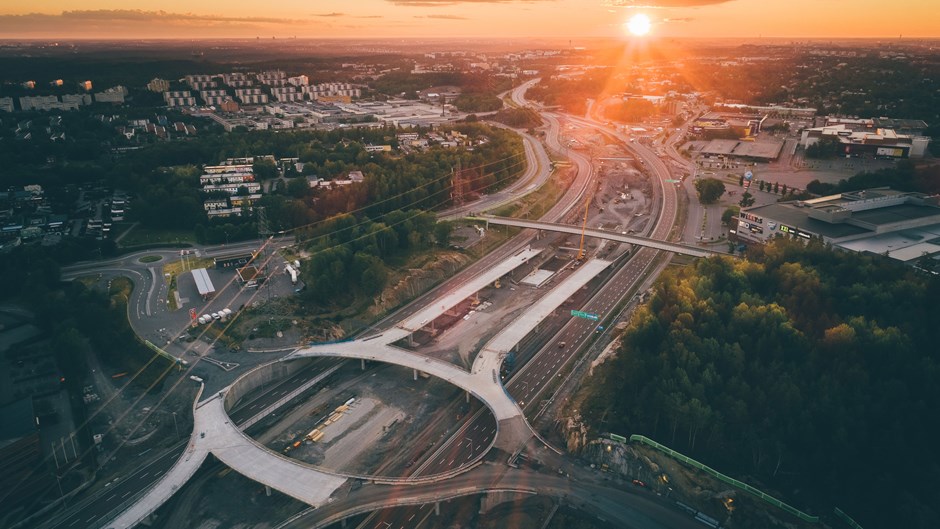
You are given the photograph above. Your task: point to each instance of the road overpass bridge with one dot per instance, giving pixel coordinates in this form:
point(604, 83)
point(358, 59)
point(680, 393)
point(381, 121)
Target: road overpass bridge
point(617, 504)
point(601, 234)
point(435, 309)
point(216, 433)
point(482, 381)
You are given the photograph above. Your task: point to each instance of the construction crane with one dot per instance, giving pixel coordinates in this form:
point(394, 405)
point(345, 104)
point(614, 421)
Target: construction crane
point(587, 206)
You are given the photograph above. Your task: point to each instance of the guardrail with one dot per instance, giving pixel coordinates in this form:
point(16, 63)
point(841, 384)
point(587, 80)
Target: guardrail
point(723, 478)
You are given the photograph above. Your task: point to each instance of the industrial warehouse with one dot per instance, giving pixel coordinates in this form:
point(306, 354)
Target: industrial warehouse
point(901, 225)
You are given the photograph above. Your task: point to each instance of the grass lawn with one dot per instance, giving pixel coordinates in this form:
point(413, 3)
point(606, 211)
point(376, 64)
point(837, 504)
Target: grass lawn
point(535, 204)
point(140, 236)
point(150, 258)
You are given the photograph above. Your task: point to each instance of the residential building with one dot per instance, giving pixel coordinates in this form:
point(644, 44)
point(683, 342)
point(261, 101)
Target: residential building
point(272, 78)
point(113, 95)
point(286, 94)
point(252, 187)
point(236, 80)
point(78, 99)
point(179, 98)
point(214, 97)
point(158, 85)
point(50, 103)
point(228, 105)
point(6, 104)
point(200, 82)
point(251, 96)
point(228, 177)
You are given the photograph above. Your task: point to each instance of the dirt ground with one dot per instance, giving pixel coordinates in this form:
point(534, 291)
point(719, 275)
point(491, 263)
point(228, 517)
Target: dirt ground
point(390, 410)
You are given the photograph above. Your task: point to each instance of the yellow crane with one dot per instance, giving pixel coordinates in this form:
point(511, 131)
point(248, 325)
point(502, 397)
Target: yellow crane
point(587, 207)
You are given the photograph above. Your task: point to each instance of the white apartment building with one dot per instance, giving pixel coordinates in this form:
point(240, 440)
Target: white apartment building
point(114, 94)
point(252, 187)
point(179, 98)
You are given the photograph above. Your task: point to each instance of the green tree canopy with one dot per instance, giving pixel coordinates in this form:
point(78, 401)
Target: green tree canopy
point(709, 190)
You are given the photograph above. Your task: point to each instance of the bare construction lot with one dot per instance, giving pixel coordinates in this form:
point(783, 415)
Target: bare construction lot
point(373, 422)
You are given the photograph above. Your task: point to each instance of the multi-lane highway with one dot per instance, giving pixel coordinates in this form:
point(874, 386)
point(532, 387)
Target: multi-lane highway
point(477, 433)
point(147, 293)
point(532, 378)
point(95, 510)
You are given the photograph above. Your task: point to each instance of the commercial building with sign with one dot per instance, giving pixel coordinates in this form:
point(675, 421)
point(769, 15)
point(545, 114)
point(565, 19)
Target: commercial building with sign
point(899, 224)
point(880, 143)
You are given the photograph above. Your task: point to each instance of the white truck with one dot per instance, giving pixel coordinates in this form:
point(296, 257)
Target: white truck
point(292, 272)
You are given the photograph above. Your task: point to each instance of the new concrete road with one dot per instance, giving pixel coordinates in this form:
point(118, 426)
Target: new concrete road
point(601, 234)
point(537, 172)
point(95, 510)
point(477, 432)
point(98, 508)
point(147, 291)
point(532, 378)
point(617, 503)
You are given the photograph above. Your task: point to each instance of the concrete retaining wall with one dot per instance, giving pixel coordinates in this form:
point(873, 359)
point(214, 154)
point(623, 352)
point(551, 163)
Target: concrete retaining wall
point(267, 374)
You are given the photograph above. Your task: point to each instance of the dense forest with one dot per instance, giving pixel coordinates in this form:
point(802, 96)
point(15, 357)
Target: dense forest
point(811, 372)
point(351, 256)
point(571, 94)
point(478, 89)
point(522, 118)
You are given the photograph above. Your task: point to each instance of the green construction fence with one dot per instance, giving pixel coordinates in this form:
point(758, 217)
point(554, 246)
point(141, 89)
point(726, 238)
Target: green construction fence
point(721, 477)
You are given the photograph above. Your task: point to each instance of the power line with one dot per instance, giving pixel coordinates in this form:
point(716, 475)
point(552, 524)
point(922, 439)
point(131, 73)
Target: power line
point(263, 229)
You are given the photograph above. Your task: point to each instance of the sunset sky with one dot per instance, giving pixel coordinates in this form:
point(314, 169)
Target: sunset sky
point(63, 19)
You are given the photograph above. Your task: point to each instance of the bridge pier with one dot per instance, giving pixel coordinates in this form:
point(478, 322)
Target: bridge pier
point(343, 523)
point(467, 396)
point(267, 490)
point(437, 508)
point(414, 374)
point(362, 363)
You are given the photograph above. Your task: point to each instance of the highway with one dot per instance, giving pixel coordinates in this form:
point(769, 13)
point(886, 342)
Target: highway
point(146, 292)
point(532, 378)
point(535, 376)
point(537, 172)
point(95, 509)
point(601, 234)
point(613, 502)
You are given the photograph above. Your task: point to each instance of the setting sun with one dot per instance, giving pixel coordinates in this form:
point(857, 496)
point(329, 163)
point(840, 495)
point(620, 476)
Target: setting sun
point(639, 25)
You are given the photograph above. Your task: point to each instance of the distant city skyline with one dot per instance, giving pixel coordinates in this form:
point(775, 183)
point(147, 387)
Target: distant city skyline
point(68, 19)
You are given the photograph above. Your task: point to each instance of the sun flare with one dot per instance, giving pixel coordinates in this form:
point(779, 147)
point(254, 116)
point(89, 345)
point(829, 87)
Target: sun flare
point(639, 25)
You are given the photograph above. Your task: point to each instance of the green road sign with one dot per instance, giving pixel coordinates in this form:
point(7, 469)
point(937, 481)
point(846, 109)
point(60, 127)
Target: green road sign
point(585, 315)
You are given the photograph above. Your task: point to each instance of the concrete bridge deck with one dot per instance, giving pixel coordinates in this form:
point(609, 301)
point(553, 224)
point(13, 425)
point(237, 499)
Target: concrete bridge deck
point(507, 339)
point(450, 300)
point(214, 432)
point(601, 234)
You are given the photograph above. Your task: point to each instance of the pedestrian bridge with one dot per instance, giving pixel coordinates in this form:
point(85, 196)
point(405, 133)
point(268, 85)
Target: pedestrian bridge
point(600, 234)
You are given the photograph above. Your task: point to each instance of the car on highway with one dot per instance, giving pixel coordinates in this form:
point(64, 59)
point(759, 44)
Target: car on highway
point(639, 483)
